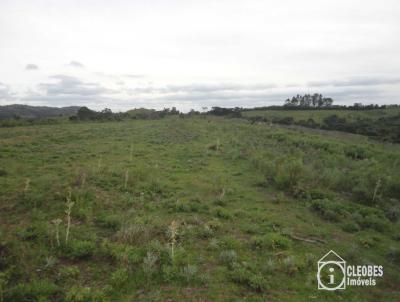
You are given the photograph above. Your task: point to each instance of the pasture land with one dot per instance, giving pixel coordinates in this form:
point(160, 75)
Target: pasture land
point(193, 209)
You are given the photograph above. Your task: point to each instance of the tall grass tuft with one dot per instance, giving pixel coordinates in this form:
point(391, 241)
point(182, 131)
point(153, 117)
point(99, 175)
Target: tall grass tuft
point(70, 204)
point(131, 153)
point(377, 187)
point(172, 234)
point(57, 223)
point(149, 264)
point(27, 185)
point(126, 179)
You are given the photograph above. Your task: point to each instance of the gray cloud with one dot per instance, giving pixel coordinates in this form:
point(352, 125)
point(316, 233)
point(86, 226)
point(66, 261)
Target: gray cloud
point(6, 95)
point(202, 88)
point(199, 95)
point(76, 64)
point(357, 81)
point(65, 90)
point(31, 67)
point(133, 76)
point(68, 85)
point(4, 91)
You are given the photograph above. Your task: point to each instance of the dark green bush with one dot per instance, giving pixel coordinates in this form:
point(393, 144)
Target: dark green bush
point(242, 275)
point(288, 174)
point(327, 209)
point(119, 278)
point(372, 221)
point(125, 254)
point(393, 213)
point(222, 213)
point(271, 241)
point(33, 291)
point(356, 152)
point(394, 255)
point(79, 249)
point(112, 222)
point(351, 227)
point(84, 294)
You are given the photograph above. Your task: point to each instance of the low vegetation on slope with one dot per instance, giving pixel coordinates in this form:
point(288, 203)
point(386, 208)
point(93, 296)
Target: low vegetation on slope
point(192, 209)
point(380, 124)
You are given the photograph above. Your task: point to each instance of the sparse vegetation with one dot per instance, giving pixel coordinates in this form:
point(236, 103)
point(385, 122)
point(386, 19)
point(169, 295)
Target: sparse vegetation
point(201, 208)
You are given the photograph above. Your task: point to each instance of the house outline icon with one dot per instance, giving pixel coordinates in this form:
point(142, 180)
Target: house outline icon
point(340, 262)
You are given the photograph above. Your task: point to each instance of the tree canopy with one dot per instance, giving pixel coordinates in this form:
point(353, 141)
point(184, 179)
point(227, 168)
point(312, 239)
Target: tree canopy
point(309, 101)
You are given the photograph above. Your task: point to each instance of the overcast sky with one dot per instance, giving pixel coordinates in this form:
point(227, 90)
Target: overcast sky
point(193, 54)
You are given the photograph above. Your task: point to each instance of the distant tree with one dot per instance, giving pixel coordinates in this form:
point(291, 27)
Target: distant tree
point(174, 111)
point(84, 113)
point(309, 101)
point(106, 113)
point(231, 112)
point(193, 112)
point(328, 102)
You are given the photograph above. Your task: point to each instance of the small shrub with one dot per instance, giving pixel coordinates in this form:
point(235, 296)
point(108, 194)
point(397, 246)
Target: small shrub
point(356, 152)
point(169, 273)
point(269, 266)
point(69, 272)
point(214, 224)
point(37, 289)
point(149, 264)
point(290, 266)
point(83, 294)
point(133, 233)
point(319, 194)
point(205, 232)
point(214, 244)
point(394, 255)
point(37, 231)
point(119, 278)
point(393, 213)
point(289, 174)
point(240, 274)
point(257, 282)
point(191, 206)
point(351, 227)
point(189, 272)
point(228, 257)
point(229, 243)
point(368, 240)
point(223, 213)
point(125, 254)
point(327, 209)
point(309, 259)
point(374, 222)
point(272, 241)
point(244, 276)
point(79, 249)
point(111, 222)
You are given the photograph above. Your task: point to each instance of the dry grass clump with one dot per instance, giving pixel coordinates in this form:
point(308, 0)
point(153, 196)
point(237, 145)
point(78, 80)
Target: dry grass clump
point(57, 223)
point(172, 235)
point(132, 233)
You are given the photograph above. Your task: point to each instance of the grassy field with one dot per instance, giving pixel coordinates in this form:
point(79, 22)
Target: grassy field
point(192, 209)
point(319, 115)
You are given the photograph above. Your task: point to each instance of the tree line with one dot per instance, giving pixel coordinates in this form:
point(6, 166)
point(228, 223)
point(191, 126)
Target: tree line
point(306, 101)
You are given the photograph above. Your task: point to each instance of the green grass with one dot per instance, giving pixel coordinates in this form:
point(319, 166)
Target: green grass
point(238, 192)
point(319, 115)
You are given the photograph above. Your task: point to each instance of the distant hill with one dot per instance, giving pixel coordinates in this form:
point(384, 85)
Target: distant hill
point(25, 111)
